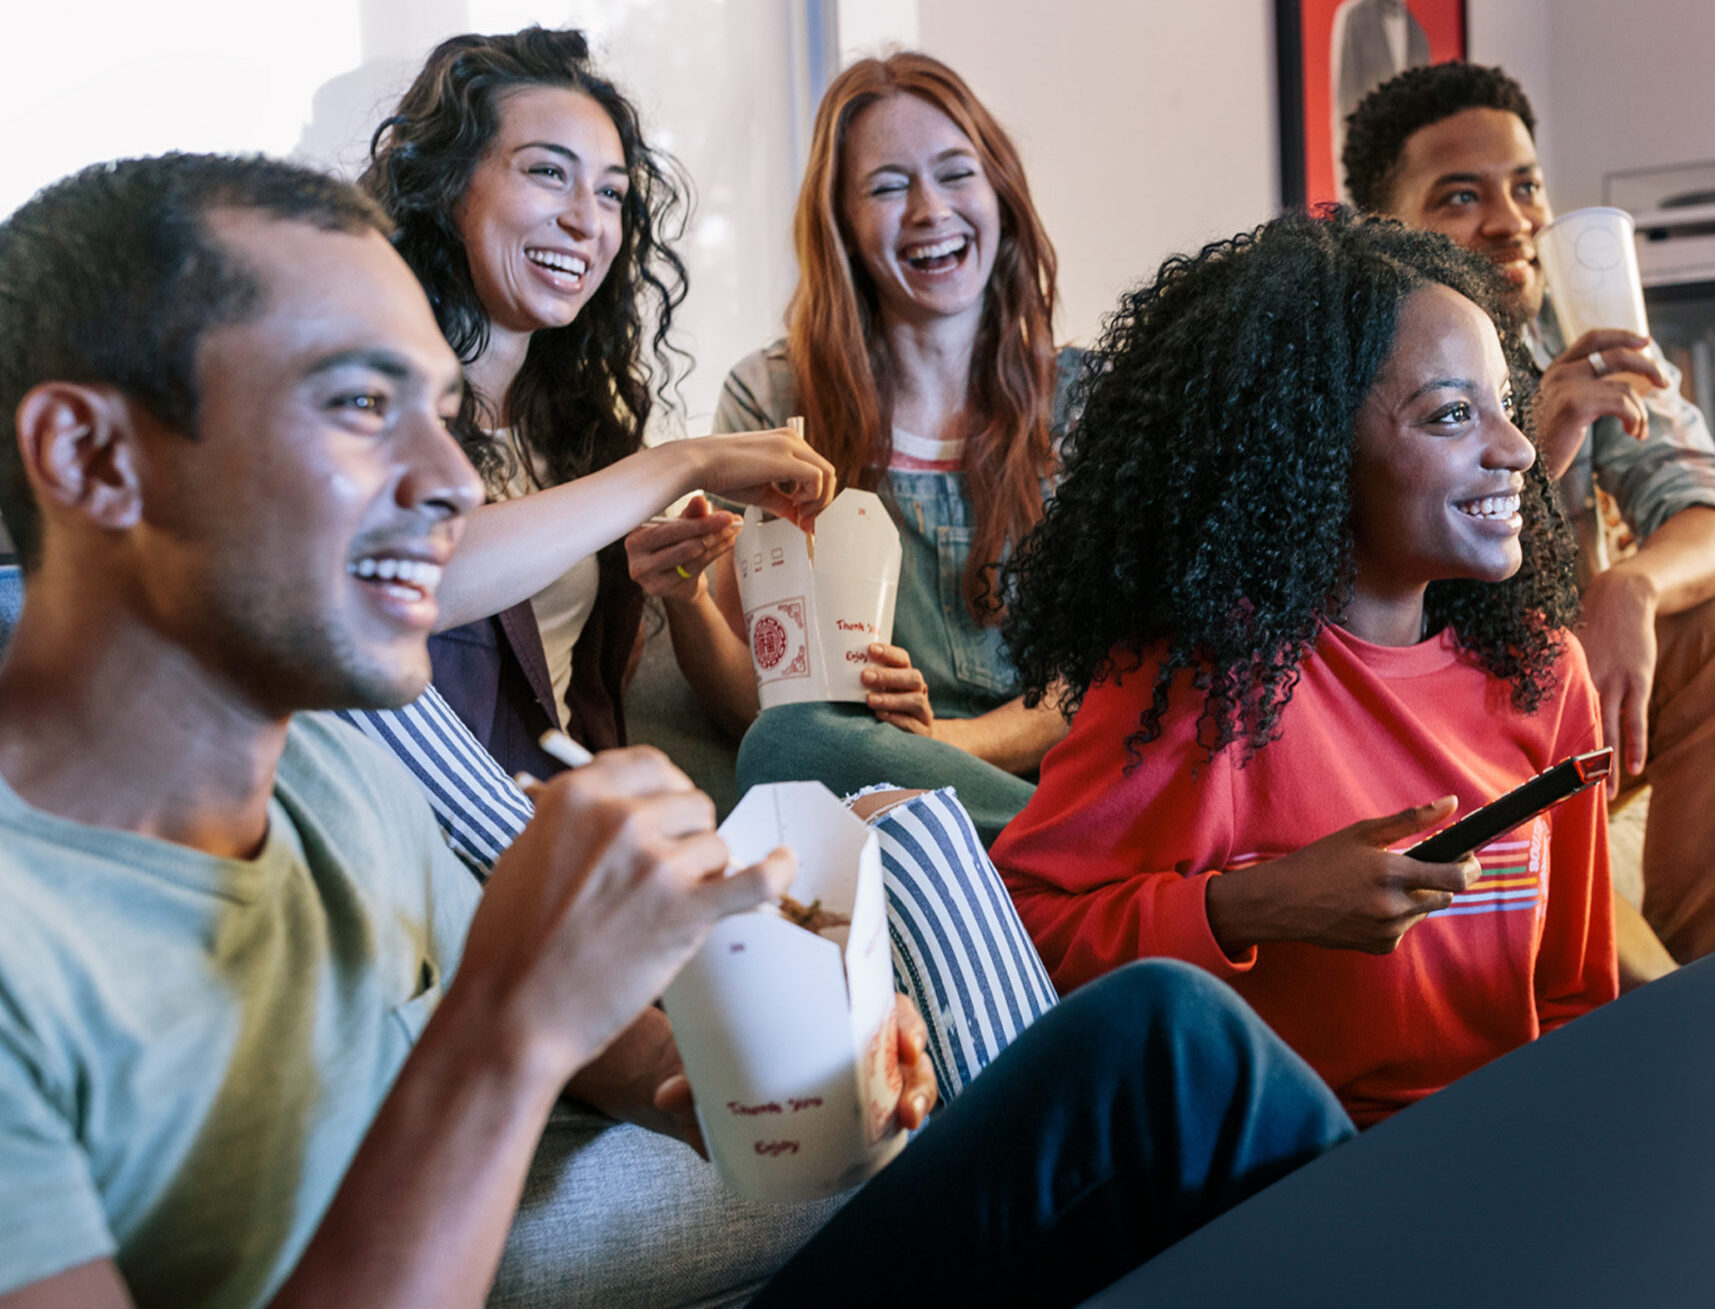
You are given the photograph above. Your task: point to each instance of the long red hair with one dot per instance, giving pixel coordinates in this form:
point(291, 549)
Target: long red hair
point(838, 353)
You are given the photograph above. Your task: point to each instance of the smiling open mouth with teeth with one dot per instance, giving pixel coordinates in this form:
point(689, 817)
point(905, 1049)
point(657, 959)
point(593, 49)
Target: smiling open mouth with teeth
point(1491, 506)
point(937, 256)
point(418, 576)
point(556, 261)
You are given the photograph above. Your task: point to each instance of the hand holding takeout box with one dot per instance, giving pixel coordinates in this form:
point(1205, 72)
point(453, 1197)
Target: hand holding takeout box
point(789, 1037)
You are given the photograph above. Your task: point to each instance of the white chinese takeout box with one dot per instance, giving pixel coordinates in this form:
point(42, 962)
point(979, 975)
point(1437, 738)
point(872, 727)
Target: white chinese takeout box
point(789, 1037)
point(810, 624)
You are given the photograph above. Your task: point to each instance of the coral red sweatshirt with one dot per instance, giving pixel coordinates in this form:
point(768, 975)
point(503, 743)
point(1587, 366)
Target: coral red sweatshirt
point(1107, 865)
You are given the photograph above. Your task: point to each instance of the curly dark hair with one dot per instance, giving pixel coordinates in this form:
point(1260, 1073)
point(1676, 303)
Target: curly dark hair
point(585, 391)
point(1205, 507)
point(1377, 130)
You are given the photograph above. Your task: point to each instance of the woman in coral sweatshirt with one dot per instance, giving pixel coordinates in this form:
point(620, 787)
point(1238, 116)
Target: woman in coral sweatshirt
point(1309, 592)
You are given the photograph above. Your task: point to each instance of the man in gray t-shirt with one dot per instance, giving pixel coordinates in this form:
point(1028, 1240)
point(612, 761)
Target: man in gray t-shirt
point(230, 1065)
point(332, 945)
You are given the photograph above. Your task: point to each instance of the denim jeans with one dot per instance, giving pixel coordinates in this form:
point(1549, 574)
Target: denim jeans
point(843, 745)
point(846, 748)
point(1141, 1107)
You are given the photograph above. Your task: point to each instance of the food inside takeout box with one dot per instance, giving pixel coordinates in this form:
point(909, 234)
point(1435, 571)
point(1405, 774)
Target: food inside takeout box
point(811, 619)
point(788, 1035)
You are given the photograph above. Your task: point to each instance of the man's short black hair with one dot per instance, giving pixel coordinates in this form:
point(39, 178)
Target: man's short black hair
point(110, 276)
point(1386, 118)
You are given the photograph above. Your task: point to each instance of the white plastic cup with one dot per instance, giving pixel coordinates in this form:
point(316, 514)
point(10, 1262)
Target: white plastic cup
point(1590, 258)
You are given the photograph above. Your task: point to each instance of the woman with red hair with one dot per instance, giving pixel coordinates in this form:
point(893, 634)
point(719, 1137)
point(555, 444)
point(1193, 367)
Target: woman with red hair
point(919, 349)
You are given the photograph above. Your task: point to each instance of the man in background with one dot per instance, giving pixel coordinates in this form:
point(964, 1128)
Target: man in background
point(1452, 148)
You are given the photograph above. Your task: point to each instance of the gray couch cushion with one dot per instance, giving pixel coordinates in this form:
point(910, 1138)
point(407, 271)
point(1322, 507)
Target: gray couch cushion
point(662, 710)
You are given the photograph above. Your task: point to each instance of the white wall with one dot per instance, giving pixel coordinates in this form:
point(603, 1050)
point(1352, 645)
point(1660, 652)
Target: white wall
point(1147, 126)
point(714, 79)
point(1515, 35)
point(1632, 85)
point(1614, 86)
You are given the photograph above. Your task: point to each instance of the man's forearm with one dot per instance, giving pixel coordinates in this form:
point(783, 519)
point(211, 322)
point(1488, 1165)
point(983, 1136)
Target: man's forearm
point(1677, 563)
point(423, 1211)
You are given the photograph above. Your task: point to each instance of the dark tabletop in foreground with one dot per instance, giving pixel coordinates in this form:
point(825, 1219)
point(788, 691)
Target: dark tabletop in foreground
point(1577, 1171)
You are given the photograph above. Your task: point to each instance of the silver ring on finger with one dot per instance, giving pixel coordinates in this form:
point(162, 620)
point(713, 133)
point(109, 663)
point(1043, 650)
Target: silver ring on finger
point(1598, 365)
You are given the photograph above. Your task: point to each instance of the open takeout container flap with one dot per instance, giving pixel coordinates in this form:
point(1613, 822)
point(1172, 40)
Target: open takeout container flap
point(789, 1037)
point(809, 622)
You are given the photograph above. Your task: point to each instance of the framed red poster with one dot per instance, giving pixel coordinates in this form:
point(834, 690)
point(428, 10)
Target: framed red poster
point(1331, 53)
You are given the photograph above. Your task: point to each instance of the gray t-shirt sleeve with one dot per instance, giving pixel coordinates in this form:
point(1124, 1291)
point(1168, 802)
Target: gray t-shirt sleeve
point(757, 394)
point(1670, 470)
point(54, 1219)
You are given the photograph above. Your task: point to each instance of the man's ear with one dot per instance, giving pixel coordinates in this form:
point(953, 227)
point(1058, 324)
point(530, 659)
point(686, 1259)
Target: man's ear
point(79, 447)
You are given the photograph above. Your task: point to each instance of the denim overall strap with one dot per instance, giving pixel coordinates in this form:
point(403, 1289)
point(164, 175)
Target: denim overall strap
point(964, 664)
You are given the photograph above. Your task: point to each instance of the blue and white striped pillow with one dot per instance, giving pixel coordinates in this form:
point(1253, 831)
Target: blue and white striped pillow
point(959, 949)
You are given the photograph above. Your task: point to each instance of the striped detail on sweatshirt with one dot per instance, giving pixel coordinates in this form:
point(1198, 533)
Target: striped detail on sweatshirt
point(1511, 879)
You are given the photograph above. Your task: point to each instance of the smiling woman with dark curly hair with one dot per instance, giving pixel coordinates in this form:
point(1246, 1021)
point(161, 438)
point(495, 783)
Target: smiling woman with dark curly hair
point(541, 223)
point(1303, 570)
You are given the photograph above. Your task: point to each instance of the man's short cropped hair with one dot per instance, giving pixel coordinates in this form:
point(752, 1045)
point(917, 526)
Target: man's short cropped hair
point(110, 276)
point(1386, 118)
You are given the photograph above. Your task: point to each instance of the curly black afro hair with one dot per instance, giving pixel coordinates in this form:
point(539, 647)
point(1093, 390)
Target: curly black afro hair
point(1205, 507)
point(1377, 130)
